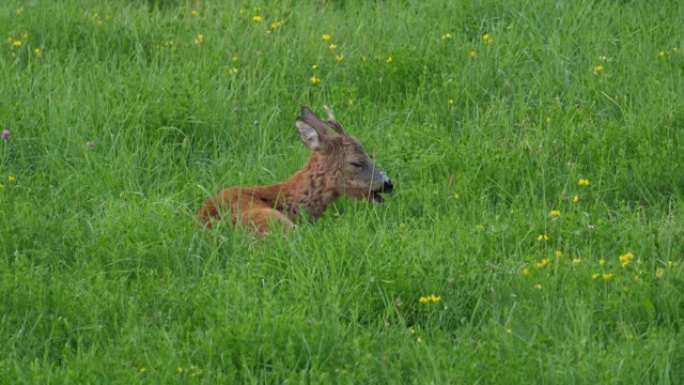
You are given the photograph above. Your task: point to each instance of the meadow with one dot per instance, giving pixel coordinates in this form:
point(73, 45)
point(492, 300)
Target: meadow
point(535, 234)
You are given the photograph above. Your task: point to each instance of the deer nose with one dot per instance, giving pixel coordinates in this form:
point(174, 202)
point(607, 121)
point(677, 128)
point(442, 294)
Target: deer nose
point(387, 186)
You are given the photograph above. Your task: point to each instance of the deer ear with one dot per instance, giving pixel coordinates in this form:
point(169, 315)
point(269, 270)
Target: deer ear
point(310, 136)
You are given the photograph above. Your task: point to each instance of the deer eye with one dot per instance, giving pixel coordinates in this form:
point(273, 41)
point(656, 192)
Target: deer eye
point(356, 164)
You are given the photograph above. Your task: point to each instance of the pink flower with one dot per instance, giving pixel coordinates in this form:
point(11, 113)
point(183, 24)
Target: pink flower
point(6, 134)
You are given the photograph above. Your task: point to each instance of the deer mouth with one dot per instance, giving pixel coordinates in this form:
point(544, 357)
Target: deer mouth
point(376, 197)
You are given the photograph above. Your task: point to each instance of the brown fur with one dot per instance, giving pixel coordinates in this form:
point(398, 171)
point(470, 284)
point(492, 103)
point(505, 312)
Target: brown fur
point(338, 166)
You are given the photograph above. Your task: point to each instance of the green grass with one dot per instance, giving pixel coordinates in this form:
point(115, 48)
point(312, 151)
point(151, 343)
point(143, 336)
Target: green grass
point(121, 125)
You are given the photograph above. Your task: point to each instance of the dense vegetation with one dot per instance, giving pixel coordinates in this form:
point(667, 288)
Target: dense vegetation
point(535, 235)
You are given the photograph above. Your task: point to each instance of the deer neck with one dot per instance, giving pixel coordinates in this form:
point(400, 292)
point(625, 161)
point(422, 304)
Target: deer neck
point(311, 189)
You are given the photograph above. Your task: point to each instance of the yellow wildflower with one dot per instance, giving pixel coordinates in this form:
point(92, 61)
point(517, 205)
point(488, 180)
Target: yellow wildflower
point(195, 12)
point(277, 24)
point(637, 277)
point(2, 186)
point(363, 58)
point(339, 58)
point(350, 102)
point(575, 199)
point(233, 70)
point(662, 54)
point(446, 36)
point(332, 46)
point(472, 54)
point(542, 264)
point(626, 259)
point(558, 253)
point(670, 264)
point(660, 272)
point(486, 38)
point(451, 102)
point(555, 213)
point(17, 43)
point(19, 10)
point(429, 298)
point(602, 261)
point(389, 59)
point(11, 178)
point(509, 331)
point(603, 58)
point(258, 19)
point(538, 286)
point(315, 80)
point(543, 237)
point(24, 36)
point(607, 276)
point(199, 39)
point(596, 276)
point(314, 67)
point(526, 272)
point(576, 261)
point(599, 68)
point(326, 37)
point(583, 182)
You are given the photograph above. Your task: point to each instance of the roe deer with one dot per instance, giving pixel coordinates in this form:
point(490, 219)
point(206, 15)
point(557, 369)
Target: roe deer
point(338, 166)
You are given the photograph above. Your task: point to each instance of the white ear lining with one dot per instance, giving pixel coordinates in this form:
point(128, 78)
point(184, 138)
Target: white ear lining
point(309, 135)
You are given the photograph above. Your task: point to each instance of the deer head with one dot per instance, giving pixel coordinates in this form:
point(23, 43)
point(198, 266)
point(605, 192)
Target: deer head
point(347, 168)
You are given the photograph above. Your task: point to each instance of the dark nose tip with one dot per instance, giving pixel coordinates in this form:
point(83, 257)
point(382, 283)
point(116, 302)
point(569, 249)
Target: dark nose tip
point(387, 186)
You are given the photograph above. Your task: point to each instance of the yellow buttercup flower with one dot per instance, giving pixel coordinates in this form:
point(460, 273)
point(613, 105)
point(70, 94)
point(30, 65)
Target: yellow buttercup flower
point(607, 276)
point(575, 199)
point(576, 261)
point(429, 299)
point(315, 80)
point(446, 36)
point(199, 39)
point(526, 272)
point(555, 213)
point(314, 67)
point(626, 259)
point(451, 102)
point(332, 46)
point(660, 272)
point(542, 264)
point(596, 276)
point(543, 237)
point(486, 38)
point(11, 178)
point(339, 58)
point(389, 59)
point(195, 12)
point(326, 37)
point(558, 253)
point(599, 68)
point(662, 54)
point(472, 54)
point(583, 182)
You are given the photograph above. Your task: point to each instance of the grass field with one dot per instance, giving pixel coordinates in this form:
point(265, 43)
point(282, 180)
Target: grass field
point(535, 235)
